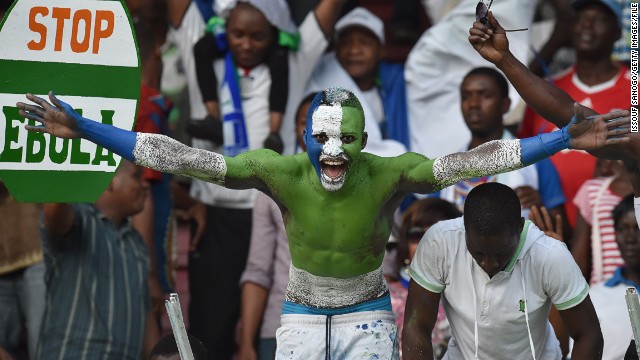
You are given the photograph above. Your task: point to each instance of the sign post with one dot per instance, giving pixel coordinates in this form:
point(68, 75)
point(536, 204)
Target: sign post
point(85, 51)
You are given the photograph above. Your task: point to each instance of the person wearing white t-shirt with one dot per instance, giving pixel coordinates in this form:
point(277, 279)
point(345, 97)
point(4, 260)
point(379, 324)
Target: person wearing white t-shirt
point(498, 276)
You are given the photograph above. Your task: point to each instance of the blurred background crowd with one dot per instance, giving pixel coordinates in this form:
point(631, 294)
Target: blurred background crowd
point(423, 88)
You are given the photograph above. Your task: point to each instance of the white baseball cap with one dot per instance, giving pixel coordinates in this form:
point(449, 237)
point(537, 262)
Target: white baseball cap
point(363, 18)
point(276, 11)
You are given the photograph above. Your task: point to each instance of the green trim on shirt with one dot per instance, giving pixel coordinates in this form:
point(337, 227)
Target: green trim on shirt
point(523, 238)
point(575, 301)
point(425, 284)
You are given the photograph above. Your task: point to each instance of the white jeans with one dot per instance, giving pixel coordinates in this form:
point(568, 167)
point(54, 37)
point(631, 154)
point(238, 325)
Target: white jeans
point(363, 335)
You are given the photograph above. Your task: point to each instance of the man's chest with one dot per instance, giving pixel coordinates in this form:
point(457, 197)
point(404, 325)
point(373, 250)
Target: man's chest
point(497, 301)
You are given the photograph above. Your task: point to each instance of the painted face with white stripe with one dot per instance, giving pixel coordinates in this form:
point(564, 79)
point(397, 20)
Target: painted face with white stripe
point(334, 136)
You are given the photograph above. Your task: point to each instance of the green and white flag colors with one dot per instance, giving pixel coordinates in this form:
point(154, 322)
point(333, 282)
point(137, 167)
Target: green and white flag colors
point(85, 51)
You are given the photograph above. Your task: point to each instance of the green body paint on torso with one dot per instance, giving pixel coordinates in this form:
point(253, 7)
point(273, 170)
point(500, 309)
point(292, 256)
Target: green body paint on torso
point(336, 234)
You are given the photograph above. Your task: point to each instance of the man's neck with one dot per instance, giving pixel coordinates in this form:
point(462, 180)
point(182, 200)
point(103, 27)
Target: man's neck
point(477, 140)
point(597, 71)
point(112, 214)
point(366, 84)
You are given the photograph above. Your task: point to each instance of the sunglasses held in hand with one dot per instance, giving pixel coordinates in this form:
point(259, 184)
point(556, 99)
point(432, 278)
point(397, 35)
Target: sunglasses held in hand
point(482, 11)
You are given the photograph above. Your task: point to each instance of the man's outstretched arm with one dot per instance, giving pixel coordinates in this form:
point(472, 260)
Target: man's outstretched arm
point(583, 133)
point(552, 103)
point(154, 151)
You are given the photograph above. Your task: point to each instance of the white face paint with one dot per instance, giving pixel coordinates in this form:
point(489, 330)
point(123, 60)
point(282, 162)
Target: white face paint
point(328, 119)
point(333, 162)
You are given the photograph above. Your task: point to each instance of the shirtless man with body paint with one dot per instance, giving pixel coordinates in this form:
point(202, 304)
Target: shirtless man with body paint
point(337, 203)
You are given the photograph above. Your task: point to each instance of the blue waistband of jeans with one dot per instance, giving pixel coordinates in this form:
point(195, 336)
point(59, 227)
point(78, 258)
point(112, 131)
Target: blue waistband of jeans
point(381, 303)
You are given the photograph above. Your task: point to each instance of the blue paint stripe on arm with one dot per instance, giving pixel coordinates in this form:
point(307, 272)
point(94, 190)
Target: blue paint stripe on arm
point(121, 142)
point(536, 148)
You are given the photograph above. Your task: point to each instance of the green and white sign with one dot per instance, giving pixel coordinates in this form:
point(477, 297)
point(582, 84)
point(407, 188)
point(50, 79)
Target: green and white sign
point(85, 51)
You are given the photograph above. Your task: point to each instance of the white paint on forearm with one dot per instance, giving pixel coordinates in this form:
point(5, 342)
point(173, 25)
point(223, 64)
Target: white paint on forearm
point(165, 154)
point(490, 158)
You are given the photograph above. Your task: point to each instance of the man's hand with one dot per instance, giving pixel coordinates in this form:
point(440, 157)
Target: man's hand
point(594, 132)
point(209, 128)
point(198, 213)
point(274, 142)
point(542, 219)
point(528, 196)
point(490, 41)
point(59, 120)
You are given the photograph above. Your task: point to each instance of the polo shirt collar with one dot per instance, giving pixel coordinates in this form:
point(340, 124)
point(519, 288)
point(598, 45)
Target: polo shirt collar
point(516, 255)
point(618, 278)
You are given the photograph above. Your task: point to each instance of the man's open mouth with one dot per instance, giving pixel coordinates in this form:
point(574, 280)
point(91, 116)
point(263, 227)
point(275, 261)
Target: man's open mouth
point(333, 169)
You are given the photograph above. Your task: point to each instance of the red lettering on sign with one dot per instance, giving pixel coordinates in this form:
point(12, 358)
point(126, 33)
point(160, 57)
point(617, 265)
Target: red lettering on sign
point(60, 14)
point(99, 32)
point(77, 46)
point(38, 27)
point(101, 23)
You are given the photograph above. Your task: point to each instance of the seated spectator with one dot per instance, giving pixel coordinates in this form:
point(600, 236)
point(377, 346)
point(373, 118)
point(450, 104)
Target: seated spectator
point(167, 349)
point(97, 269)
point(609, 296)
point(593, 245)
point(484, 94)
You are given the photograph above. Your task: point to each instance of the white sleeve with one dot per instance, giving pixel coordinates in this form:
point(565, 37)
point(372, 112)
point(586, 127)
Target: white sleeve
point(636, 205)
point(563, 281)
point(301, 64)
point(189, 31)
point(313, 43)
point(430, 265)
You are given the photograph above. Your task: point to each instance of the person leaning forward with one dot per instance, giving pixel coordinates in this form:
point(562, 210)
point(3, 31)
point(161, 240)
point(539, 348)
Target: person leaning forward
point(498, 276)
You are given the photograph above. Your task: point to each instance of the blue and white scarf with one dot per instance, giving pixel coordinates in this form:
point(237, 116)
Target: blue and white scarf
point(234, 128)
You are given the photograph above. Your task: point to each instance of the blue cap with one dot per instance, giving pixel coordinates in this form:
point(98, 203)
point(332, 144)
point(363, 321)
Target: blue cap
point(613, 5)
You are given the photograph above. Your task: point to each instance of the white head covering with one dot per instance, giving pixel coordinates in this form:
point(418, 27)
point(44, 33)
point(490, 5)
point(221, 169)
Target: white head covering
point(276, 12)
point(363, 18)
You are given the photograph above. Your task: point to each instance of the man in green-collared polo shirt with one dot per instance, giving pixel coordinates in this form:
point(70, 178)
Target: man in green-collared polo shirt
point(498, 276)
